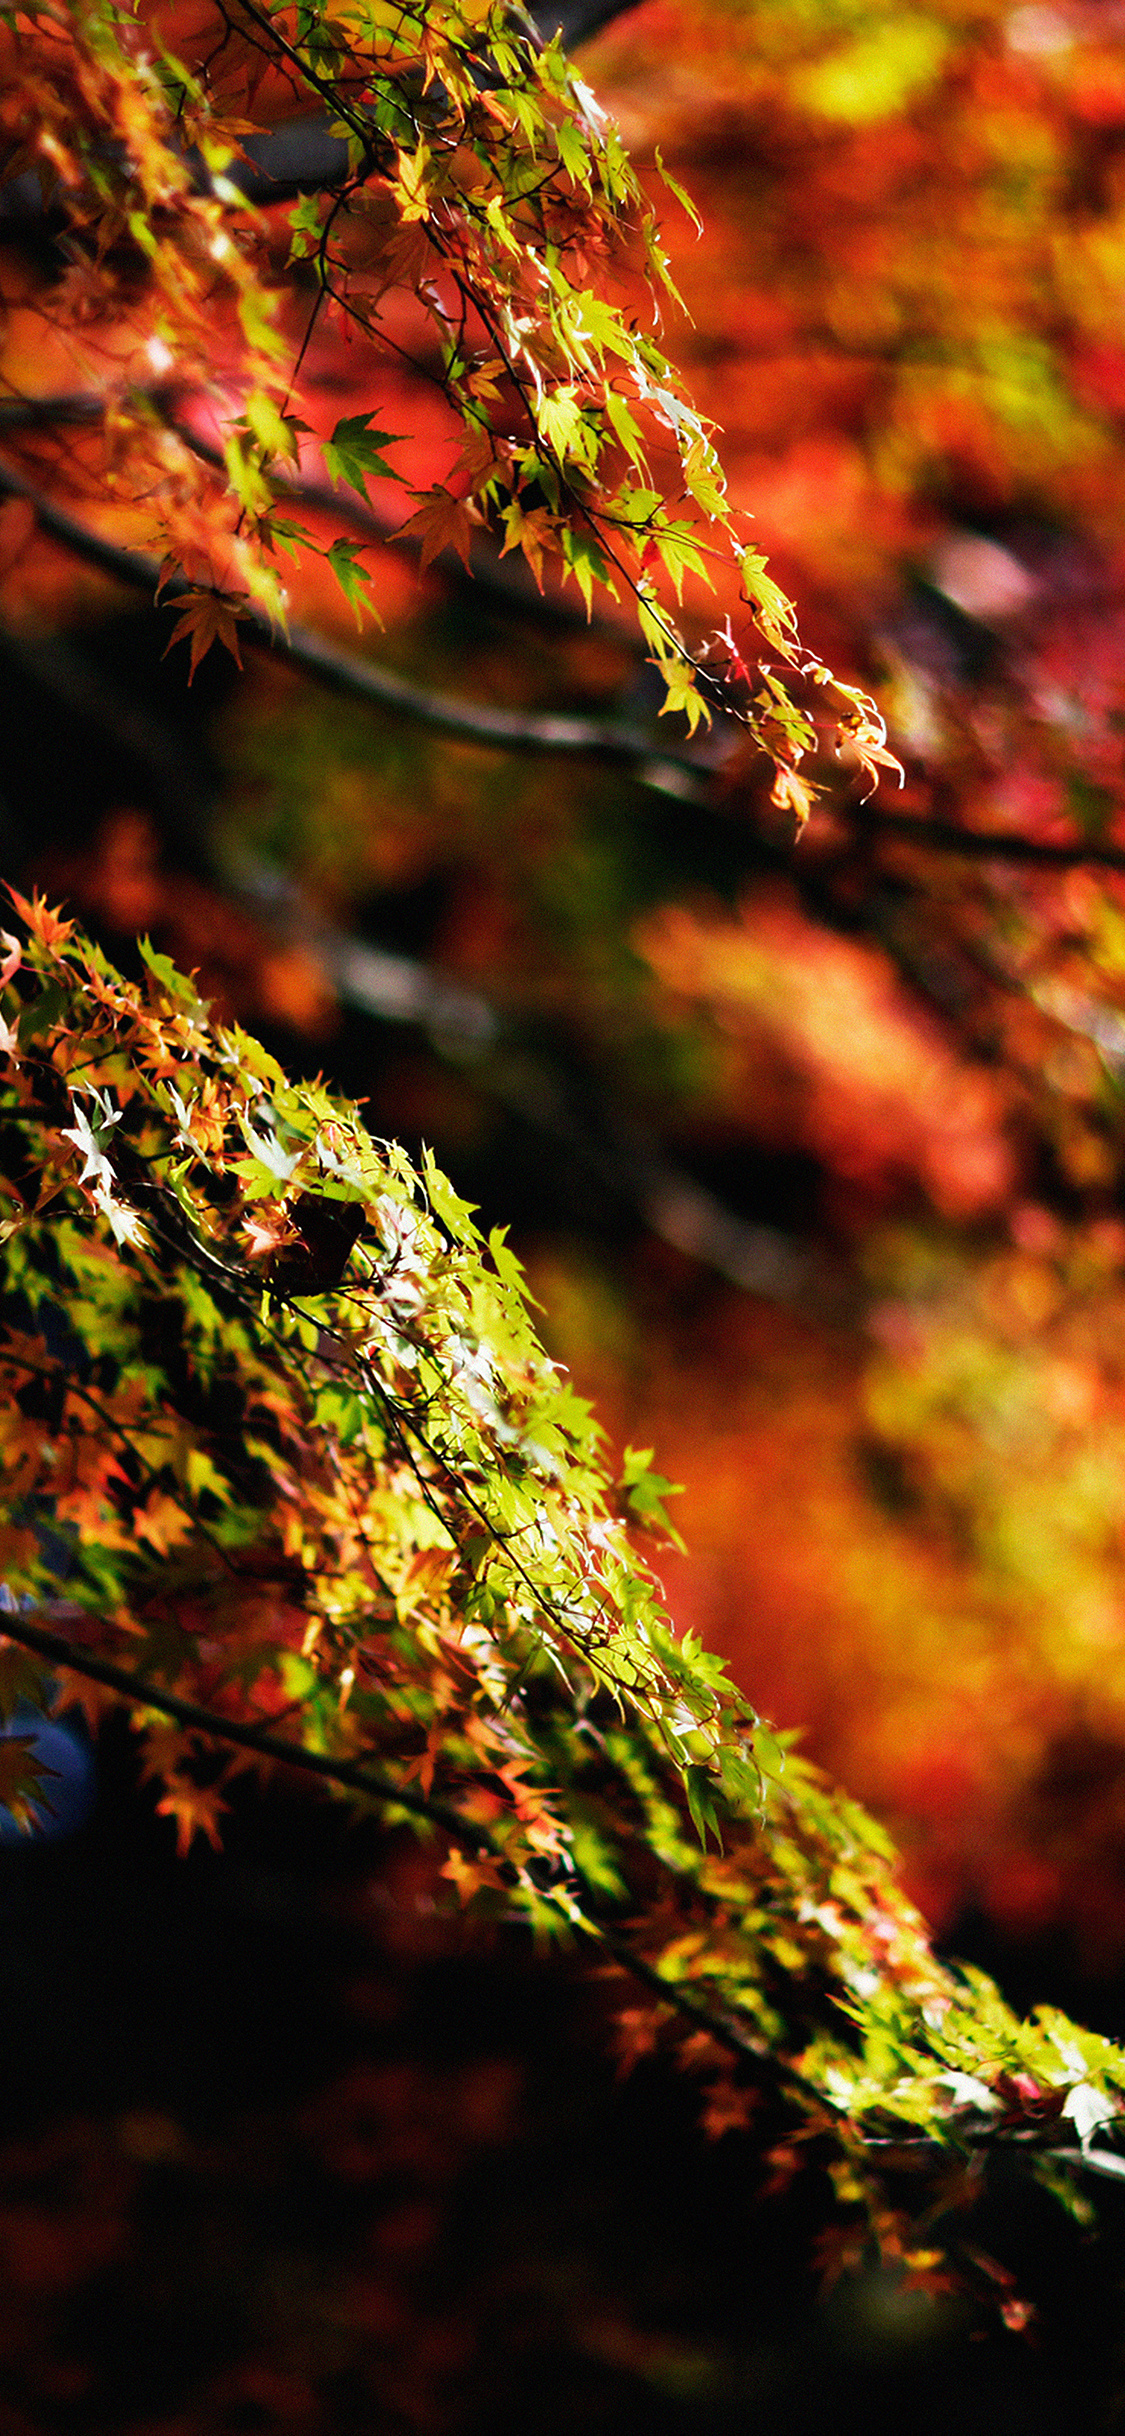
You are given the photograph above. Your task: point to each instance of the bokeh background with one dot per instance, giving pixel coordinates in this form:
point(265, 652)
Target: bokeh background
point(814, 1154)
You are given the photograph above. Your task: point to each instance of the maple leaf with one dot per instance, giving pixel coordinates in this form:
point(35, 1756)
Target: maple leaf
point(202, 1121)
point(636, 2030)
point(23, 1779)
point(409, 185)
point(161, 1522)
point(864, 733)
point(89, 1140)
point(560, 420)
point(674, 188)
point(43, 921)
point(196, 1810)
point(682, 694)
point(344, 558)
point(276, 434)
point(353, 452)
point(471, 1873)
point(205, 618)
point(792, 793)
point(772, 607)
point(728, 2108)
point(126, 1224)
point(482, 381)
point(532, 533)
point(265, 1229)
point(441, 522)
point(405, 259)
point(95, 1701)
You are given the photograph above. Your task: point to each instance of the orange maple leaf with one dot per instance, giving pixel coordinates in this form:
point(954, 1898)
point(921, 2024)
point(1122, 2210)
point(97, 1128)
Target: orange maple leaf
point(22, 1774)
point(442, 523)
point(195, 1809)
point(205, 618)
point(469, 1875)
point(94, 1700)
point(727, 2108)
point(43, 921)
point(161, 1522)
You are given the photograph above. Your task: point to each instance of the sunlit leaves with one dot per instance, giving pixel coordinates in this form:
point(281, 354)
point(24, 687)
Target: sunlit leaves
point(486, 184)
point(322, 1472)
point(409, 186)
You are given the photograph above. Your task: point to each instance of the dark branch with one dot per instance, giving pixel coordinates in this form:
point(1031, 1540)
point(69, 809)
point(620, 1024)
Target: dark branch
point(355, 1777)
point(671, 773)
point(351, 1773)
point(988, 846)
point(511, 586)
point(393, 988)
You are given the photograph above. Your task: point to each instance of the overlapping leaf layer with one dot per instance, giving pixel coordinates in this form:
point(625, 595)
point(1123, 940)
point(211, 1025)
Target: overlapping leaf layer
point(282, 1452)
point(482, 221)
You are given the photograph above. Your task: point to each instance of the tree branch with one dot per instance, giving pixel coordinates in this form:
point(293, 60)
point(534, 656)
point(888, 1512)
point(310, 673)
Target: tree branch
point(350, 1773)
point(668, 772)
point(511, 586)
point(391, 988)
point(684, 775)
point(357, 1778)
point(354, 1777)
point(987, 846)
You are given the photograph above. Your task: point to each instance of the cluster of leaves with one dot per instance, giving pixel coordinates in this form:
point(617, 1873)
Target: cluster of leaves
point(904, 300)
point(288, 1471)
point(485, 194)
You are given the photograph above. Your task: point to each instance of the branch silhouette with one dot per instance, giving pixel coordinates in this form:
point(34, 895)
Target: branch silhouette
point(986, 845)
point(510, 584)
point(356, 1777)
point(667, 771)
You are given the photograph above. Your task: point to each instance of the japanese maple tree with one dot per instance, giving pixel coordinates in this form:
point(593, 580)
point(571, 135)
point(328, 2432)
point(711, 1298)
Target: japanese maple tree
point(289, 1474)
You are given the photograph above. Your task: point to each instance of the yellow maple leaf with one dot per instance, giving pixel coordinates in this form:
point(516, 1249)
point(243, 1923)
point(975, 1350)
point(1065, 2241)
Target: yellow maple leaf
point(793, 794)
point(409, 186)
point(161, 1522)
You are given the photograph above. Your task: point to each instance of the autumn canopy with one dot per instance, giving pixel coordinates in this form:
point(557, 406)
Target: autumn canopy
point(289, 1476)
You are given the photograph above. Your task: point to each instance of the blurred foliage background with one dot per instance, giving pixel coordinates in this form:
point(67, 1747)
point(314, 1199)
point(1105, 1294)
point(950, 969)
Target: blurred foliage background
point(814, 1152)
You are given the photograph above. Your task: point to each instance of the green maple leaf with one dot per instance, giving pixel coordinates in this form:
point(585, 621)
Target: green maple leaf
point(344, 558)
point(352, 453)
